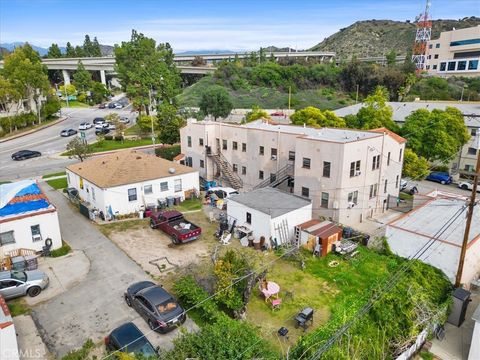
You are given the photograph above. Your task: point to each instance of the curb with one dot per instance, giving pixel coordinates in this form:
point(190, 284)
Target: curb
point(33, 130)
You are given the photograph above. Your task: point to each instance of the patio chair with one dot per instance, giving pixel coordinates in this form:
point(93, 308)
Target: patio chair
point(276, 304)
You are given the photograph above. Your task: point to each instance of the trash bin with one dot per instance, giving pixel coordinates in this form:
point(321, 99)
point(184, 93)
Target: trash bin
point(170, 201)
point(162, 203)
point(31, 261)
point(18, 263)
point(461, 298)
point(177, 200)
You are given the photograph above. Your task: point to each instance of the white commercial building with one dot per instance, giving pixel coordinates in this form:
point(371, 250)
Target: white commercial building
point(421, 230)
point(27, 218)
point(348, 174)
point(269, 212)
point(125, 182)
point(455, 53)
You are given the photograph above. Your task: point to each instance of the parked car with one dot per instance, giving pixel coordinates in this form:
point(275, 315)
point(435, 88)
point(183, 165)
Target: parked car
point(403, 184)
point(118, 105)
point(110, 126)
point(19, 283)
point(102, 131)
point(175, 225)
point(440, 177)
point(98, 120)
point(222, 192)
point(101, 125)
point(129, 339)
point(111, 105)
point(124, 120)
point(467, 185)
point(159, 309)
point(68, 132)
point(25, 154)
point(85, 126)
point(277, 113)
point(102, 106)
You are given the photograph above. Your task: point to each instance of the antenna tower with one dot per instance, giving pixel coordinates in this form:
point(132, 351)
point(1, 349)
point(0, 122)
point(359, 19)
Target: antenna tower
point(422, 36)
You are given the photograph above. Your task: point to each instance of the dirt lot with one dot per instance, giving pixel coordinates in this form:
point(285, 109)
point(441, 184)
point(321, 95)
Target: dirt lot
point(143, 244)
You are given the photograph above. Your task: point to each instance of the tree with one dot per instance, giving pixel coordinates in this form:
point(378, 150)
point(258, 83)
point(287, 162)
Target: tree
point(376, 113)
point(54, 52)
point(87, 46)
point(69, 90)
point(147, 72)
point(414, 166)
point(216, 102)
point(9, 95)
point(70, 51)
point(198, 61)
point(79, 52)
point(96, 49)
point(28, 75)
point(82, 78)
point(391, 58)
point(99, 92)
point(170, 133)
point(256, 113)
point(144, 122)
point(51, 106)
point(315, 117)
point(78, 149)
point(114, 118)
point(436, 135)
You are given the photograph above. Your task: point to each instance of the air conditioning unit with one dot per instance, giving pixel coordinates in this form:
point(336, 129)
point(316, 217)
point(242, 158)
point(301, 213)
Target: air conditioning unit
point(351, 205)
point(358, 172)
point(274, 157)
point(37, 237)
point(335, 205)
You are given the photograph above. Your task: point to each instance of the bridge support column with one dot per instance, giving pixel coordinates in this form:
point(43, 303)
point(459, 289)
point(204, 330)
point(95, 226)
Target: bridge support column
point(66, 77)
point(103, 77)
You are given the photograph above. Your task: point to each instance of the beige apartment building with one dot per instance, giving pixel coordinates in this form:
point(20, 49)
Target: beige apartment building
point(455, 52)
point(348, 174)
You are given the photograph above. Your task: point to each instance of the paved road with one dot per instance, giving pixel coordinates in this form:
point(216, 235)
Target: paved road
point(425, 186)
point(49, 142)
point(95, 306)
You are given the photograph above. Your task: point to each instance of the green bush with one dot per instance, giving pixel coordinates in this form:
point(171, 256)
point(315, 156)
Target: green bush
point(64, 250)
point(168, 152)
point(80, 354)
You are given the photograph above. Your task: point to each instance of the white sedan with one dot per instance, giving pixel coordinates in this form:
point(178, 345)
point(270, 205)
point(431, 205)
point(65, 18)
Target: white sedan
point(467, 185)
point(85, 126)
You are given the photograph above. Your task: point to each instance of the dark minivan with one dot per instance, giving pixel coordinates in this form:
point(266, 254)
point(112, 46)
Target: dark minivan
point(128, 338)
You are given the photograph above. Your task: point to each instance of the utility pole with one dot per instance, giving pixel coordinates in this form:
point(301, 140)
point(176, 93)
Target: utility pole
point(289, 95)
point(356, 96)
point(471, 208)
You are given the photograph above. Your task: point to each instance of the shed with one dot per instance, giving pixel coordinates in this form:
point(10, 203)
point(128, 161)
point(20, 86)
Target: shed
point(269, 212)
point(317, 232)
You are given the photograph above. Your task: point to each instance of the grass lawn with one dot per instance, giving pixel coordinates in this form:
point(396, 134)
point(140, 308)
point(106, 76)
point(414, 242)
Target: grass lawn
point(189, 205)
point(74, 104)
point(18, 307)
point(5, 182)
point(133, 130)
point(58, 183)
point(122, 226)
point(61, 173)
point(109, 145)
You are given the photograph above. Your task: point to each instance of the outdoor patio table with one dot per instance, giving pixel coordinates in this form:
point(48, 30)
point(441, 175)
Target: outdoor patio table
point(272, 290)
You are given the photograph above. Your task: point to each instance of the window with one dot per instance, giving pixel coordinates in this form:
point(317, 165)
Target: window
point(400, 155)
point(430, 46)
point(353, 197)
point(244, 147)
point(324, 203)
point(385, 186)
point(177, 185)
point(248, 219)
point(472, 151)
point(465, 42)
point(373, 190)
point(189, 141)
point(388, 158)
point(396, 182)
point(224, 144)
point(202, 164)
point(469, 167)
point(355, 168)
point(376, 161)
point(462, 65)
point(435, 67)
point(235, 145)
point(93, 193)
point(164, 186)
point(437, 46)
point(273, 178)
point(261, 150)
point(435, 56)
point(326, 169)
point(451, 65)
point(473, 65)
point(244, 170)
point(200, 141)
point(443, 66)
point(147, 189)
point(260, 175)
point(429, 57)
point(132, 194)
point(189, 161)
point(273, 153)
point(305, 191)
point(291, 155)
point(473, 132)
point(36, 235)
point(428, 67)
point(306, 163)
point(235, 167)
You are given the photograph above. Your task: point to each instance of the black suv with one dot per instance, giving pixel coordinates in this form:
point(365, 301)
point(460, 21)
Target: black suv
point(98, 120)
point(102, 131)
point(159, 309)
point(128, 338)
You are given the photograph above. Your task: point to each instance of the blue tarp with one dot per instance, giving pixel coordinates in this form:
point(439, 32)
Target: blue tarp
point(29, 190)
point(21, 207)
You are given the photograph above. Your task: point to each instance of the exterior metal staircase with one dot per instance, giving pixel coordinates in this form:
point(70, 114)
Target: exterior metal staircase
point(226, 170)
point(280, 176)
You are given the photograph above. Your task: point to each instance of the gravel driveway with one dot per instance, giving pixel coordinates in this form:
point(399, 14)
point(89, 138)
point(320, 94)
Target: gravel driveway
point(95, 306)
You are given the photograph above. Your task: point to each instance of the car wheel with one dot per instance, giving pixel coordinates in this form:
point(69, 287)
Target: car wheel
point(442, 182)
point(175, 240)
point(127, 300)
point(464, 187)
point(152, 224)
point(151, 324)
point(34, 291)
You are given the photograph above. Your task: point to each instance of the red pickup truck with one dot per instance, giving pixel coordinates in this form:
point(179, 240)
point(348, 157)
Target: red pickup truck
point(174, 224)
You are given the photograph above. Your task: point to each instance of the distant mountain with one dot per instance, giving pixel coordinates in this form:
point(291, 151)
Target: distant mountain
point(277, 49)
point(107, 50)
point(11, 46)
point(378, 37)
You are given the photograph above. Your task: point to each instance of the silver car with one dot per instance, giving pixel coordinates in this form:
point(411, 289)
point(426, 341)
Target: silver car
point(20, 283)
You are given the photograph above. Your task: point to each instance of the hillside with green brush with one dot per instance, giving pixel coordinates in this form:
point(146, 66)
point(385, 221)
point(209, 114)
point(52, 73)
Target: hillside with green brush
point(379, 37)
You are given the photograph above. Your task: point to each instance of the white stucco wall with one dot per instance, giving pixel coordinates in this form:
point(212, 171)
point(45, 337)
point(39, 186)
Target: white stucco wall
point(474, 353)
point(293, 218)
point(49, 228)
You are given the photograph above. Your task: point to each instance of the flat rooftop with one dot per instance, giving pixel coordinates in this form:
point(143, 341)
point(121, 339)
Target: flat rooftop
point(270, 201)
point(428, 219)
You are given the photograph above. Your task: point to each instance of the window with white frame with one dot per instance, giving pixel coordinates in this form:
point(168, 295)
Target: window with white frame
point(353, 197)
point(148, 189)
point(177, 185)
point(132, 194)
point(164, 186)
point(7, 237)
point(373, 190)
point(36, 235)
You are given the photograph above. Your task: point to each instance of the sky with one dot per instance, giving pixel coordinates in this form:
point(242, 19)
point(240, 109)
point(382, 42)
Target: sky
point(206, 25)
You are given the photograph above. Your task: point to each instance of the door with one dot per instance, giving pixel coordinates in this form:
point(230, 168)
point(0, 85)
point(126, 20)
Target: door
point(12, 288)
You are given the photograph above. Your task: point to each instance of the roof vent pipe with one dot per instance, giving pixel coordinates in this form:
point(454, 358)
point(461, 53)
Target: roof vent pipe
point(171, 170)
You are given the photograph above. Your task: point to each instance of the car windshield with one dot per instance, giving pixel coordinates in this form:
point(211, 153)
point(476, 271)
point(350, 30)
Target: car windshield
point(19, 276)
point(167, 306)
point(142, 347)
